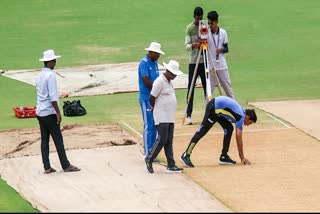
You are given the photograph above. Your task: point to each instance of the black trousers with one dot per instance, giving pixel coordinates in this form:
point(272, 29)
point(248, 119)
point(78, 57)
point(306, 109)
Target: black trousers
point(49, 126)
point(164, 140)
point(201, 72)
point(209, 119)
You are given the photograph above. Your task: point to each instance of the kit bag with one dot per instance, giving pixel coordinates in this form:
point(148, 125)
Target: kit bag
point(73, 108)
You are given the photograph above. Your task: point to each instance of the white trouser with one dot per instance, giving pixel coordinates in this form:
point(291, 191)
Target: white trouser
point(224, 80)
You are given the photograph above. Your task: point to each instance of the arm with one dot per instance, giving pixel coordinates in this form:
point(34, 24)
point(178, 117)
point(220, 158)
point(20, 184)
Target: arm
point(56, 108)
point(147, 81)
point(224, 49)
point(152, 101)
point(53, 94)
point(240, 147)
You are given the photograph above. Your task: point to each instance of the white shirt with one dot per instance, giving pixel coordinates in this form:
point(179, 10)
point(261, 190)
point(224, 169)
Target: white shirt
point(47, 92)
point(216, 41)
point(165, 103)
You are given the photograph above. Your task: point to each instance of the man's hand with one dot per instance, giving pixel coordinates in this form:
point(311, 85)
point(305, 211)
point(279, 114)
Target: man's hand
point(245, 161)
point(58, 118)
point(195, 44)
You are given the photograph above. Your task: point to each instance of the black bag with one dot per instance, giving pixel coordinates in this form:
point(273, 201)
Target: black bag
point(73, 108)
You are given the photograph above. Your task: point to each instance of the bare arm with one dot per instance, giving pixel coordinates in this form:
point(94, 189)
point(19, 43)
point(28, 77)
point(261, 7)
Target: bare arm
point(240, 147)
point(152, 101)
point(56, 107)
point(147, 81)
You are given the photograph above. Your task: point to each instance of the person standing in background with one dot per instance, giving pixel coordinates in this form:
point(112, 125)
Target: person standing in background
point(48, 114)
point(218, 47)
point(164, 104)
point(192, 45)
point(148, 71)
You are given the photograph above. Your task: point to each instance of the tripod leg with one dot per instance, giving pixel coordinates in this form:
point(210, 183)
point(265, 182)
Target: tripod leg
point(192, 86)
point(216, 76)
point(208, 88)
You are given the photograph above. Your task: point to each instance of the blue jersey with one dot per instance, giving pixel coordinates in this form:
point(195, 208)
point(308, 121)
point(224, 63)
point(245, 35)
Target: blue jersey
point(231, 110)
point(150, 69)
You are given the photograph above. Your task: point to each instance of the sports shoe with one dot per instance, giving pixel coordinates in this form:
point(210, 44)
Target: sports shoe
point(174, 169)
point(149, 165)
point(189, 121)
point(185, 159)
point(225, 159)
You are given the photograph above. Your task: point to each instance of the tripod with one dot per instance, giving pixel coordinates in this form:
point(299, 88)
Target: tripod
point(203, 50)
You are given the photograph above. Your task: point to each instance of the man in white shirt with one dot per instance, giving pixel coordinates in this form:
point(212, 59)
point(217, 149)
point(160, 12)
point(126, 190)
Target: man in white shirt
point(164, 103)
point(48, 113)
point(218, 47)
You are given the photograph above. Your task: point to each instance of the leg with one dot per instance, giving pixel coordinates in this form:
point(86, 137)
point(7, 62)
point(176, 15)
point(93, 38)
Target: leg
point(225, 82)
point(149, 129)
point(58, 140)
point(191, 87)
point(161, 140)
point(206, 124)
point(213, 82)
point(227, 129)
point(168, 145)
point(45, 137)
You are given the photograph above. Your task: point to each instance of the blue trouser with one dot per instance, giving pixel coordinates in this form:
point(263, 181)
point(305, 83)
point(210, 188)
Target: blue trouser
point(149, 129)
point(49, 126)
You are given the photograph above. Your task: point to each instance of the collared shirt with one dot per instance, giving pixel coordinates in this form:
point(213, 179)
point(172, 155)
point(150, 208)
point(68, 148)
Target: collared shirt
point(229, 109)
point(47, 92)
point(150, 69)
point(165, 102)
point(191, 36)
point(216, 40)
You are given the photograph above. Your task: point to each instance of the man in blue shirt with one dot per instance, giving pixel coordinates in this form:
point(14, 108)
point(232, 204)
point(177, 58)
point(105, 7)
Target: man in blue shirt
point(147, 72)
point(225, 111)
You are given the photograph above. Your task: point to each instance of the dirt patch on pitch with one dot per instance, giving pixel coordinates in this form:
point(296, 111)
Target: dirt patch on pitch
point(24, 142)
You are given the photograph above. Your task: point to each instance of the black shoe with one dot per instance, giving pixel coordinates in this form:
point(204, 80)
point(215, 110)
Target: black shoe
point(174, 169)
point(149, 165)
point(225, 159)
point(185, 159)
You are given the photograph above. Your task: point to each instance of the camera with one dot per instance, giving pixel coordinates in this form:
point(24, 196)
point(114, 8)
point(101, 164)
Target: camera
point(203, 31)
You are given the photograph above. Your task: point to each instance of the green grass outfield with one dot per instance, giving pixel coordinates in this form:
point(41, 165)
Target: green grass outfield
point(273, 50)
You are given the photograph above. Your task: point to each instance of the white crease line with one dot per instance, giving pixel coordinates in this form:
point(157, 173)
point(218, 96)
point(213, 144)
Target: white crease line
point(132, 129)
point(211, 133)
point(254, 130)
point(278, 120)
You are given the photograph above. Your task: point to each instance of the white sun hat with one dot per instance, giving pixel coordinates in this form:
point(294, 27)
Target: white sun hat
point(48, 55)
point(173, 67)
point(155, 47)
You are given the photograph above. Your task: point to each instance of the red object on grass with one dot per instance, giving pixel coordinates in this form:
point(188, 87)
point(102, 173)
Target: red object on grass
point(25, 111)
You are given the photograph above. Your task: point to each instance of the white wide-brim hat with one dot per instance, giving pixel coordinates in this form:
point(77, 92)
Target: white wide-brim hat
point(155, 47)
point(173, 67)
point(49, 55)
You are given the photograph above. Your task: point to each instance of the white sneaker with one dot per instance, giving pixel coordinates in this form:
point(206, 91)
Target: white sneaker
point(189, 121)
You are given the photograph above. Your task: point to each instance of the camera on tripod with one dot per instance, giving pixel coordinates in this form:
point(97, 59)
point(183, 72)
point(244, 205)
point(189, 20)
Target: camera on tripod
point(203, 31)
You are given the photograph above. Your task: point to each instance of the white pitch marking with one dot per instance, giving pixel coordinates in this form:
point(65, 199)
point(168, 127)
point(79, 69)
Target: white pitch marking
point(278, 120)
point(132, 129)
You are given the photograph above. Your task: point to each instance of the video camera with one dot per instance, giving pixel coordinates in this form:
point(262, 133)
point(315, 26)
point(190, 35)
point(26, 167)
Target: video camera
point(203, 31)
